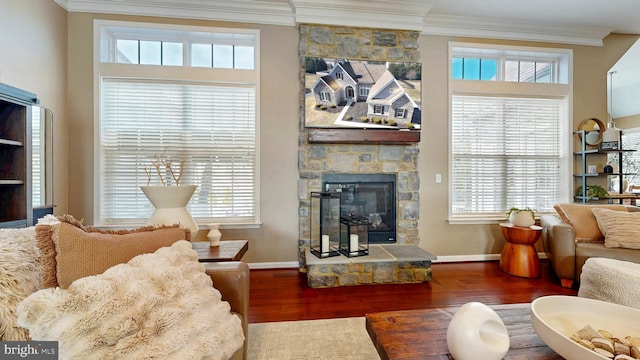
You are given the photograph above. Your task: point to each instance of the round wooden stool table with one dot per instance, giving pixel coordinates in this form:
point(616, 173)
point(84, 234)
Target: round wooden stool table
point(519, 257)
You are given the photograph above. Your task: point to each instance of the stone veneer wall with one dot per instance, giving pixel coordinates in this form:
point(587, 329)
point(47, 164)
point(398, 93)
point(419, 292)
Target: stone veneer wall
point(316, 159)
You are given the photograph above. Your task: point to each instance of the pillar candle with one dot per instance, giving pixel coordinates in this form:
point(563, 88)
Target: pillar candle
point(325, 243)
point(354, 243)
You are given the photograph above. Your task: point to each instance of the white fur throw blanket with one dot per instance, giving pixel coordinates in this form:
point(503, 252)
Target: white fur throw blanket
point(20, 275)
point(156, 306)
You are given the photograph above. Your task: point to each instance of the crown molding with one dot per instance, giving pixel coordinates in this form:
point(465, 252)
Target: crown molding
point(386, 14)
point(246, 11)
point(512, 30)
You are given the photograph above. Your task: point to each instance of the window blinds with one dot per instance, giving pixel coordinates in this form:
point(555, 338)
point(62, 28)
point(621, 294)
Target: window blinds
point(506, 152)
point(210, 126)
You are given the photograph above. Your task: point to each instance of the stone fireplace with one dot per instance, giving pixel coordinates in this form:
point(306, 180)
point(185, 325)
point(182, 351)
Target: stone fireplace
point(319, 161)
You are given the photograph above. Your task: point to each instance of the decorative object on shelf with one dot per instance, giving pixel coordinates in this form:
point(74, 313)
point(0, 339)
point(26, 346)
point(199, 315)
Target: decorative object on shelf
point(354, 236)
point(594, 192)
point(593, 129)
point(592, 169)
point(477, 332)
point(521, 217)
point(608, 169)
point(214, 235)
point(170, 205)
point(611, 136)
point(325, 224)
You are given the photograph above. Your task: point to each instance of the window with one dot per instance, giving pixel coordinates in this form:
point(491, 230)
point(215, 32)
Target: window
point(339, 75)
point(509, 141)
point(363, 90)
point(203, 112)
point(630, 159)
point(349, 92)
point(378, 109)
point(400, 113)
point(325, 96)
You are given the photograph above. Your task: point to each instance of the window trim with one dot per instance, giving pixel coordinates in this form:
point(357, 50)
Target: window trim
point(194, 74)
point(484, 87)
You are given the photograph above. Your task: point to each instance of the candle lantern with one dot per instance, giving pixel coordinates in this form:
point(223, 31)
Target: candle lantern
point(325, 224)
point(354, 236)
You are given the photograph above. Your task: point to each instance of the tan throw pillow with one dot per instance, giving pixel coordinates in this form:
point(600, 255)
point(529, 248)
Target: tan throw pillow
point(71, 251)
point(620, 229)
point(583, 221)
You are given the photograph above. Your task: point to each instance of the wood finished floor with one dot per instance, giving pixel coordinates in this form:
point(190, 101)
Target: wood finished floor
point(283, 294)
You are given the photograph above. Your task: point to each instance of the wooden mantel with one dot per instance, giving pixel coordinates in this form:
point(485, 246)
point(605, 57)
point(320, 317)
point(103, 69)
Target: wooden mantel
point(363, 136)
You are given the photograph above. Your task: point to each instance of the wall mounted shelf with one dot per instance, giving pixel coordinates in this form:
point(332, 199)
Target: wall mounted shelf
point(362, 136)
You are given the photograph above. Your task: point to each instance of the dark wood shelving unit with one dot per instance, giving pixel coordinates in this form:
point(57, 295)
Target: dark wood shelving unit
point(362, 136)
point(15, 156)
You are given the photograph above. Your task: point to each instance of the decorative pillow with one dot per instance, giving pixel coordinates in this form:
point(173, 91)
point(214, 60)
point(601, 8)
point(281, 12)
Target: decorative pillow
point(620, 229)
point(20, 275)
point(157, 306)
point(581, 218)
point(71, 251)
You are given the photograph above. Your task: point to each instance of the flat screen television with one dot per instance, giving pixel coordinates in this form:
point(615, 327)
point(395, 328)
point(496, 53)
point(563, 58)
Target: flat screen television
point(348, 93)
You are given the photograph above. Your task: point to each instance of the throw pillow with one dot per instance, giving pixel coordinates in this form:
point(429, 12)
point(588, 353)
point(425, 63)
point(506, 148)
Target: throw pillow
point(157, 306)
point(20, 275)
point(580, 217)
point(71, 250)
point(620, 229)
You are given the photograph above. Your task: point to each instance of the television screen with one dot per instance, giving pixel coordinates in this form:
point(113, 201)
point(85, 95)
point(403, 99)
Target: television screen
point(369, 94)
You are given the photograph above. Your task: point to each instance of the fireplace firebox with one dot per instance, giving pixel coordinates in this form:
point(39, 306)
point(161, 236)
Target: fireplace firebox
point(367, 195)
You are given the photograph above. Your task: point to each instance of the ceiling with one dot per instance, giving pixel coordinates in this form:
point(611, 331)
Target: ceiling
point(582, 22)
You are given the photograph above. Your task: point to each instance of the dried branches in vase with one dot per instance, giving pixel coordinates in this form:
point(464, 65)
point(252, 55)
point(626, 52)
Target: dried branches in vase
point(161, 162)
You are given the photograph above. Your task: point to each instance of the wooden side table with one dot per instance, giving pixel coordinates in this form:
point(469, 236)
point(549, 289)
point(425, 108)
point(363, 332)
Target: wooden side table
point(519, 257)
point(228, 250)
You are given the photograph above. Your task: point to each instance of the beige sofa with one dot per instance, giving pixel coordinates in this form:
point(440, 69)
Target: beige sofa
point(572, 236)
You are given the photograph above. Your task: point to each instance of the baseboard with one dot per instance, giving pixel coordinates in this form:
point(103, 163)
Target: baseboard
point(275, 265)
point(468, 258)
point(440, 259)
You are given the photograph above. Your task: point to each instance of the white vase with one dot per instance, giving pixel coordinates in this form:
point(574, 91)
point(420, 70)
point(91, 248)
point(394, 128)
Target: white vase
point(170, 205)
point(522, 218)
point(214, 235)
point(477, 332)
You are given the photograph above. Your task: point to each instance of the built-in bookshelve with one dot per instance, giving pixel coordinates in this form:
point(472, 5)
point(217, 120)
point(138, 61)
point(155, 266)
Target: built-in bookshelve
point(15, 157)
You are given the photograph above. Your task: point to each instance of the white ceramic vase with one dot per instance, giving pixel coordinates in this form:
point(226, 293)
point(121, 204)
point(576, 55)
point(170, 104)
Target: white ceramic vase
point(522, 218)
point(477, 332)
point(214, 235)
point(170, 205)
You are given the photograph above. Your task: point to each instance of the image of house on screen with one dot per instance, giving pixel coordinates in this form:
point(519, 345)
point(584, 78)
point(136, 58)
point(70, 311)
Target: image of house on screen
point(365, 94)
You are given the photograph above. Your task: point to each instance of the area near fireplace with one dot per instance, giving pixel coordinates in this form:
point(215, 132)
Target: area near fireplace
point(372, 196)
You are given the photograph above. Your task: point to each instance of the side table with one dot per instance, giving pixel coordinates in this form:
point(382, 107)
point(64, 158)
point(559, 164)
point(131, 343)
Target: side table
point(228, 250)
point(519, 257)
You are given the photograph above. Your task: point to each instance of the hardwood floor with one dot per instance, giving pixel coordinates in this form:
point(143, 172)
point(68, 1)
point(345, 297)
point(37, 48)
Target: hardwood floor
point(283, 294)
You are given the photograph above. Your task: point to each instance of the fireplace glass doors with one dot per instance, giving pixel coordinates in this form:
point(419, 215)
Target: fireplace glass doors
point(367, 195)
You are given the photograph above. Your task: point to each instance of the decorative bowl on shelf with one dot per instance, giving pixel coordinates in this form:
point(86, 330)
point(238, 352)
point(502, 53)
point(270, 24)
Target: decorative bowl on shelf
point(555, 318)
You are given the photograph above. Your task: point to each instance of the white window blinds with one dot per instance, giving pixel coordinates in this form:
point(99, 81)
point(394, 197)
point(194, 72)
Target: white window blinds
point(506, 152)
point(210, 126)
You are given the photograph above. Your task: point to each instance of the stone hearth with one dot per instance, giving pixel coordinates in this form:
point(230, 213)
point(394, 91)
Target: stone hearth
point(385, 264)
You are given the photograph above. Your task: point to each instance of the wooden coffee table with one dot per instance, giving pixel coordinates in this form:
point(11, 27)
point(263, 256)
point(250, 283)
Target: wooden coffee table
point(228, 250)
point(422, 334)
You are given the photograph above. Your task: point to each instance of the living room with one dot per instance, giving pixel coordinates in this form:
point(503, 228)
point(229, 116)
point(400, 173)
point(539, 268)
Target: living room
point(51, 53)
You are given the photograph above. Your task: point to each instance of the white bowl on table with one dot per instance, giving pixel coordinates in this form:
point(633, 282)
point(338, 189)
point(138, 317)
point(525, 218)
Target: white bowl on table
point(555, 318)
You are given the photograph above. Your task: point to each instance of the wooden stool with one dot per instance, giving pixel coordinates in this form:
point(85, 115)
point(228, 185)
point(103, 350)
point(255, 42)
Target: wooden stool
point(519, 257)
